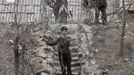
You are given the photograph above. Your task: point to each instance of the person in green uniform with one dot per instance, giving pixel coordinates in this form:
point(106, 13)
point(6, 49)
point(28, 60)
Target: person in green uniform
point(63, 43)
point(101, 6)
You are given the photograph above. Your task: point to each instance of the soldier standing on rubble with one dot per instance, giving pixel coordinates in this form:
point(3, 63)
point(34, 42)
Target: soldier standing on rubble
point(61, 10)
point(101, 7)
point(63, 43)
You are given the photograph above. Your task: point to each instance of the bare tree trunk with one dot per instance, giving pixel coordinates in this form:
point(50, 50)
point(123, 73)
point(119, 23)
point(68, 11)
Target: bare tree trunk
point(96, 12)
point(16, 41)
point(23, 57)
point(44, 17)
point(123, 30)
point(16, 56)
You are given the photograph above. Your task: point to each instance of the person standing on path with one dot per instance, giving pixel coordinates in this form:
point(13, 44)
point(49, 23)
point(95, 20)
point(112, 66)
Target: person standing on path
point(64, 54)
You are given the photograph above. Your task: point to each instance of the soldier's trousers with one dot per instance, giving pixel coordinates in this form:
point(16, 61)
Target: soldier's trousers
point(101, 9)
point(65, 62)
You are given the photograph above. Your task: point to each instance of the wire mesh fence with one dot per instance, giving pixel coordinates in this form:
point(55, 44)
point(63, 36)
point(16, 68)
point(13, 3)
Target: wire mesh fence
point(30, 11)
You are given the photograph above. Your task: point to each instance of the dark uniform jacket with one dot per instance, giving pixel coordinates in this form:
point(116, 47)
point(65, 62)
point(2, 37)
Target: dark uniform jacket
point(63, 44)
point(101, 3)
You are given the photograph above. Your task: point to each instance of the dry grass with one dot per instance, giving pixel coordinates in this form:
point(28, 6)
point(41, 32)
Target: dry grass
point(107, 41)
